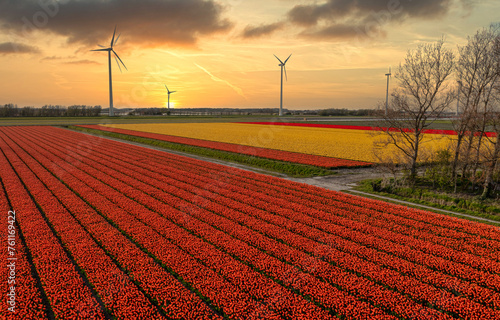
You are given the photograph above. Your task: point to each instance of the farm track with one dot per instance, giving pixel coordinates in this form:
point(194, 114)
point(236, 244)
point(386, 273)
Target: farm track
point(236, 243)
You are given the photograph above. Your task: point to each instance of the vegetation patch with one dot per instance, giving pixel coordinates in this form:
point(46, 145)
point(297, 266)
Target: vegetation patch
point(422, 193)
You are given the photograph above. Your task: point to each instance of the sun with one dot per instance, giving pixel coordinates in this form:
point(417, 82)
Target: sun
point(172, 104)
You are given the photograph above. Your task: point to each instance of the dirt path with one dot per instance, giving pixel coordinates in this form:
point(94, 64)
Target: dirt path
point(344, 179)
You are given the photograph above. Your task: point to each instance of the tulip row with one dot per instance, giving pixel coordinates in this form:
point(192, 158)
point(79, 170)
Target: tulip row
point(364, 128)
point(21, 297)
point(483, 235)
point(234, 303)
point(64, 287)
point(173, 297)
point(295, 157)
point(117, 292)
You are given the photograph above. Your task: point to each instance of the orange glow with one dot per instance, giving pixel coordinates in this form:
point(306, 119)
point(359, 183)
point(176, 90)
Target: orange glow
point(222, 68)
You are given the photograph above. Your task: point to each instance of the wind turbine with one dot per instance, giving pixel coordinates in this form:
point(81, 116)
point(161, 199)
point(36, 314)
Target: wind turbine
point(282, 65)
point(109, 50)
point(169, 92)
point(388, 75)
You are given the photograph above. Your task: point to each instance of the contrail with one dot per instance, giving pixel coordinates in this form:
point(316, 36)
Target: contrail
point(235, 88)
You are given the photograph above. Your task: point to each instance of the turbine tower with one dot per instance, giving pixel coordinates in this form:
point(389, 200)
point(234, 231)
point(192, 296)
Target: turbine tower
point(388, 75)
point(169, 92)
point(109, 50)
point(282, 65)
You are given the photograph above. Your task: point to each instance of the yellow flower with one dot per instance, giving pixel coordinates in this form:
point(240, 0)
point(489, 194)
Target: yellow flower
point(352, 144)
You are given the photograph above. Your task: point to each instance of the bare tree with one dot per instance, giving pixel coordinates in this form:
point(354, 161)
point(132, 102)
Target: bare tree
point(476, 71)
point(420, 99)
point(492, 96)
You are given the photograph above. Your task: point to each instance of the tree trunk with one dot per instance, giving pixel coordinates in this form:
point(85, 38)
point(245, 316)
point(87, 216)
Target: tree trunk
point(490, 169)
point(413, 170)
point(454, 175)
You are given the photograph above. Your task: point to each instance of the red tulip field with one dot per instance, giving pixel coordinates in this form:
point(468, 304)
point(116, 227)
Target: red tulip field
point(99, 229)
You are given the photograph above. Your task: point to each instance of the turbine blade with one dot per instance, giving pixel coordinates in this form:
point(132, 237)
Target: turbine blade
point(113, 39)
point(172, 91)
point(118, 65)
point(287, 58)
point(279, 59)
point(119, 59)
point(167, 88)
point(100, 45)
point(100, 50)
point(116, 41)
point(286, 77)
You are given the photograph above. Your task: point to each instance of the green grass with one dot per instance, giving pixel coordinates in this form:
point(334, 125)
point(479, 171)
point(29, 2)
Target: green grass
point(471, 207)
point(66, 121)
point(288, 168)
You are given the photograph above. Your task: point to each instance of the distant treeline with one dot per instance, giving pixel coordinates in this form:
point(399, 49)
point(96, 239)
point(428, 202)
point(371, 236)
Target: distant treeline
point(11, 110)
point(346, 112)
point(226, 111)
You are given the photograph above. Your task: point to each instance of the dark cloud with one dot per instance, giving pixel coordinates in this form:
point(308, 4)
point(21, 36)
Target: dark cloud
point(262, 30)
point(14, 47)
point(348, 9)
point(143, 22)
point(353, 18)
point(342, 31)
point(51, 58)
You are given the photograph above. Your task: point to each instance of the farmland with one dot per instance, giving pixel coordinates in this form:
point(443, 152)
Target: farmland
point(344, 143)
point(288, 156)
point(105, 229)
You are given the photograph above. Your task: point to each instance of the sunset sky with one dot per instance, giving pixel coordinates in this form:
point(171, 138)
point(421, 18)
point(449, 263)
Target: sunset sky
point(219, 53)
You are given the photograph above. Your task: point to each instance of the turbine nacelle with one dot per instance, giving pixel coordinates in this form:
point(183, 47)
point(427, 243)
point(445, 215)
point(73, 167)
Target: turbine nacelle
point(169, 92)
point(389, 74)
point(283, 65)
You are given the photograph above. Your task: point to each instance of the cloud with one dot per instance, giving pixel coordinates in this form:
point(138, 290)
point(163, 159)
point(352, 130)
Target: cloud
point(82, 62)
point(262, 30)
point(14, 47)
point(51, 58)
point(341, 19)
point(142, 22)
point(336, 31)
